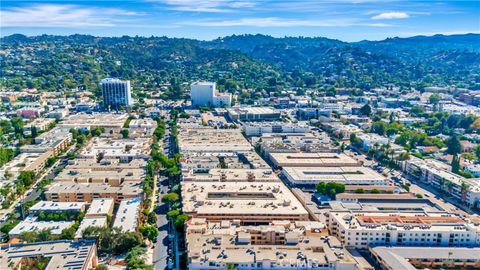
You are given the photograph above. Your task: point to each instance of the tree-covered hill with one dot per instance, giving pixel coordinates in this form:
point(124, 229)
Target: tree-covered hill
point(253, 61)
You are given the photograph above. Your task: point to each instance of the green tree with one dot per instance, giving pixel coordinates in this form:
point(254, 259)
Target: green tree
point(434, 98)
point(180, 221)
point(366, 110)
point(170, 197)
point(125, 133)
point(455, 164)
point(331, 188)
point(149, 232)
point(453, 145)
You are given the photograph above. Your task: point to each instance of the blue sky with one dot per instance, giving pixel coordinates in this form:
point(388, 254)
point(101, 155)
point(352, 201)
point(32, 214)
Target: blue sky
point(349, 20)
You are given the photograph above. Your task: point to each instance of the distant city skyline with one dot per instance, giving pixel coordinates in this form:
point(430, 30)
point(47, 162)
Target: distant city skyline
point(347, 20)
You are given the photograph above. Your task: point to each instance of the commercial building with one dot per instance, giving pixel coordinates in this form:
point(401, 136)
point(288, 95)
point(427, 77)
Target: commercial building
point(80, 192)
point(109, 121)
point(128, 214)
point(311, 176)
point(232, 175)
point(259, 128)
point(203, 162)
point(56, 207)
point(63, 254)
point(439, 176)
point(314, 142)
point(100, 207)
point(124, 150)
point(413, 258)
point(253, 114)
point(205, 94)
point(383, 203)
point(248, 202)
point(278, 245)
point(31, 224)
point(116, 93)
point(301, 159)
point(212, 140)
point(365, 229)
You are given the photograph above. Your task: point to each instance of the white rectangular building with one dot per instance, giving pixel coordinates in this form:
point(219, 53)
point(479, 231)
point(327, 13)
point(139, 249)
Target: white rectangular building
point(205, 94)
point(127, 215)
point(309, 177)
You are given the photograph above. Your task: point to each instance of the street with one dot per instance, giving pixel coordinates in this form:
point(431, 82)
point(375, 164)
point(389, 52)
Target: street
point(162, 246)
point(160, 253)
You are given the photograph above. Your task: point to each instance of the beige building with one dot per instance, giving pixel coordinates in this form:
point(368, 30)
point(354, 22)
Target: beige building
point(34, 162)
point(124, 150)
point(111, 172)
point(100, 207)
point(232, 175)
point(207, 139)
point(80, 192)
point(277, 245)
point(248, 202)
point(108, 121)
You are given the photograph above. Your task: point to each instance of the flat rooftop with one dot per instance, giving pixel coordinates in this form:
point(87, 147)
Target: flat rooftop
point(207, 139)
point(128, 188)
point(386, 205)
point(99, 207)
point(346, 175)
point(88, 170)
point(411, 221)
point(50, 206)
point(127, 215)
point(111, 148)
point(30, 224)
point(232, 175)
point(63, 254)
point(221, 243)
point(229, 198)
point(251, 110)
point(97, 221)
point(83, 120)
point(312, 160)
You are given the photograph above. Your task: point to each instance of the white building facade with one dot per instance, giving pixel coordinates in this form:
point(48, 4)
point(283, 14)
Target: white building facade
point(204, 94)
point(116, 93)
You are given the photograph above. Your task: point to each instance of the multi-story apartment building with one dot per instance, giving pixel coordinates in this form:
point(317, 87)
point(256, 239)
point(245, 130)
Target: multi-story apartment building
point(277, 245)
point(75, 192)
point(439, 176)
point(365, 229)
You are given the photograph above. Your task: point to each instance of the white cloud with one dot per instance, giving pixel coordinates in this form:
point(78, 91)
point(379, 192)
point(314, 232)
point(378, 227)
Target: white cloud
point(280, 22)
point(56, 15)
point(212, 6)
point(391, 15)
